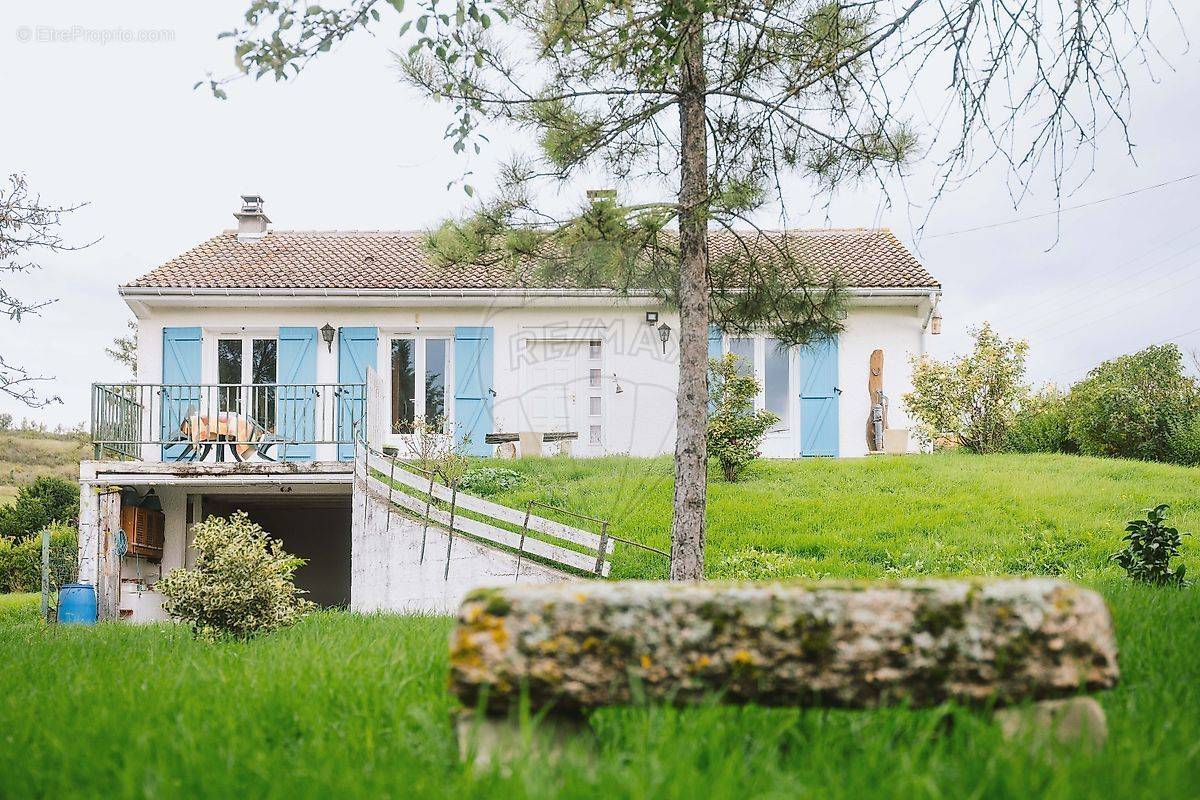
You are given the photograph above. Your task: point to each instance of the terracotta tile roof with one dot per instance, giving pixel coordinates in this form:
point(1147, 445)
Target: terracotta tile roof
point(860, 257)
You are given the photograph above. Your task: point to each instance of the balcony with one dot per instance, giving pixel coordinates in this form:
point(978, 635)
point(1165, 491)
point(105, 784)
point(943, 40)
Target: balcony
point(227, 422)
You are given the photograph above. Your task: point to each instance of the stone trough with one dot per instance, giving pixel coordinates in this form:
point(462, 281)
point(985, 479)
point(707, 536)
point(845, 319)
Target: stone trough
point(986, 643)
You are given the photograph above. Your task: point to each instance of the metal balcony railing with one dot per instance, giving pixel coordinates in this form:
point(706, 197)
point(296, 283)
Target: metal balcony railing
point(207, 422)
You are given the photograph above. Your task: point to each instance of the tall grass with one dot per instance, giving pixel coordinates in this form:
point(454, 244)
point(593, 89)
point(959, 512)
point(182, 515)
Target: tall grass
point(356, 706)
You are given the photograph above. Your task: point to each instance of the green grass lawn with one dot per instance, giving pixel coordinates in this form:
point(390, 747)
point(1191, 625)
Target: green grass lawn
point(350, 706)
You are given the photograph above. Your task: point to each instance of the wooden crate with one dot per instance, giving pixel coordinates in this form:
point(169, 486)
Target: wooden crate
point(144, 531)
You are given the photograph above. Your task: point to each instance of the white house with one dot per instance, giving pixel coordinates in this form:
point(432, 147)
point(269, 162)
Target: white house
point(255, 346)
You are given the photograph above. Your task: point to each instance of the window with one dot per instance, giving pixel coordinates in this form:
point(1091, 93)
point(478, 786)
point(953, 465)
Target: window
point(594, 350)
point(404, 385)
point(435, 378)
point(593, 406)
point(594, 379)
point(744, 350)
point(247, 385)
point(594, 435)
point(775, 379)
point(413, 356)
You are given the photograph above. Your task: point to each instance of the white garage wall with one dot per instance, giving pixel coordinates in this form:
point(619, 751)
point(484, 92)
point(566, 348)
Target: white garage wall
point(639, 420)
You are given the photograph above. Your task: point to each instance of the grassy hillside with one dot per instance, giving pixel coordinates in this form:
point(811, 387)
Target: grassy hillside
point(25, 455)
point(356, 706)
point(882, 516)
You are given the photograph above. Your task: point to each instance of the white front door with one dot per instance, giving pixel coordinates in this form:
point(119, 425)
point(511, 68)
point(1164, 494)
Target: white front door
point(561, 390)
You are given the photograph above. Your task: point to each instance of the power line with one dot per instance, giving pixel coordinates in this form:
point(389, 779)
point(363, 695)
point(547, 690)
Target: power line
point(1121, 298)
point(1062, 210)
point(1093, 279)
point(1123, 309)
point(1077, 370)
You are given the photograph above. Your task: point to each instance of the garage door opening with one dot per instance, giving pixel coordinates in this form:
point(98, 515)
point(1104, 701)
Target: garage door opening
point(315, 528)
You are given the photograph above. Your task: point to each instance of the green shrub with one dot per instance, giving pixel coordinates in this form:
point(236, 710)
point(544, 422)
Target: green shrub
point(755, 564)
point(1130, 406)
point(243, 583)
point(21, 560)
point(1152, 545)
point(1185, 441)
point(971, 399)
point(735, 429)
point(1041, 425)
point(490, 480)
point(45, 501)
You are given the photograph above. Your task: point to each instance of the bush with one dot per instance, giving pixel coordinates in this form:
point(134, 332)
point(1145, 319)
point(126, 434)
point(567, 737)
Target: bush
point(21, 560)
point(1152, 545)
point(243, 583)
point(46, 501)
point(735, 429)
point(1041, 425)
point(1130, 406)
point(489, 480)
point(972, 399)
point(1184, 441)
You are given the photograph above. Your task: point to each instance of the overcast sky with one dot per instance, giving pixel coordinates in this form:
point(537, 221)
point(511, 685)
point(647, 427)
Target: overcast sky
point(118, 125)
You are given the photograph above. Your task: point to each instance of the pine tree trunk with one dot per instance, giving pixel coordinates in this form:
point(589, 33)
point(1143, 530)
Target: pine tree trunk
point(691, 449)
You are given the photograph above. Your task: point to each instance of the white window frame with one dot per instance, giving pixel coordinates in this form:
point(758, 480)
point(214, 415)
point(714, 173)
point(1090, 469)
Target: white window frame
point(760, 373)
point(208, 358)
point(384, 359)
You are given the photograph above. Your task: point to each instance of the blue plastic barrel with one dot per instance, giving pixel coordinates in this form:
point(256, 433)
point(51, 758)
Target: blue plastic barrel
point(77, 604)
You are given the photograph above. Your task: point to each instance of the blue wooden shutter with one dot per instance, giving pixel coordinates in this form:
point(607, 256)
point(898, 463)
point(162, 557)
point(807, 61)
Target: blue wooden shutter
point(715, 350)
point(356, 352)
point(819, 399)
point(297, 395)
point(473, 366)
point(181, 385)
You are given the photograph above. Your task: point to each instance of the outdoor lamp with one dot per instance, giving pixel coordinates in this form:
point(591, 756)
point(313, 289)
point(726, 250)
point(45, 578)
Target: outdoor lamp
point(664, 333)
point(936, 322)
point(327, 333)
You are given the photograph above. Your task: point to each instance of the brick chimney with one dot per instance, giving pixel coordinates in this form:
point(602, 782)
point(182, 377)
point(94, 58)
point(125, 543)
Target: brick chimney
point(252, 220)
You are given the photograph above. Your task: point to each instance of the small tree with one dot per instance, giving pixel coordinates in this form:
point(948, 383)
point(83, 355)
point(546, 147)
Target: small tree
point(46, 501)
point(243, 583)
point(972, 398)
point(1129, 407)
point(735, 429)
point(1152, 545)
point(432, 446)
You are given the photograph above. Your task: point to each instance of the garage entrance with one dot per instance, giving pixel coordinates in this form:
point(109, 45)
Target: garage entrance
point(313, 527)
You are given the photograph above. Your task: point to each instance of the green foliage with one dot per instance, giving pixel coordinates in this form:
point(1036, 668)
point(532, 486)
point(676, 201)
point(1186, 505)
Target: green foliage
point(1185, 441)
point(1152, 545)
point(755, 564)
point(490, 480)
point(45, 501)
point(1041, 424)
point(242, 584)
point(21, 560)
point(1130, 406)
point(735, 429)
point(973, 398)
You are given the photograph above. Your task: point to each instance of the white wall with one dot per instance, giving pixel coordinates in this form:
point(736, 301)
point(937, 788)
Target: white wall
point(639, 420)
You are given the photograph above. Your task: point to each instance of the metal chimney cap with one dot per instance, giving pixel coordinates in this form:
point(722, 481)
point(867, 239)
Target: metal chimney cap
point(252, 203)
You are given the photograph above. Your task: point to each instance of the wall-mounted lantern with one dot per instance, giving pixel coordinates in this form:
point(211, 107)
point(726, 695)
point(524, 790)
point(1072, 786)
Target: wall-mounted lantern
point(664, 333)
point(327, 332)
point(935, 326)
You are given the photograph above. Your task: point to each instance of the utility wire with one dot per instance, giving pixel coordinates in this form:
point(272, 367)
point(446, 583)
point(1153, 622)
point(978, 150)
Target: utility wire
point(1122, 298)
point(1077, 370)
point(1062, 210)
point(1093, 279)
